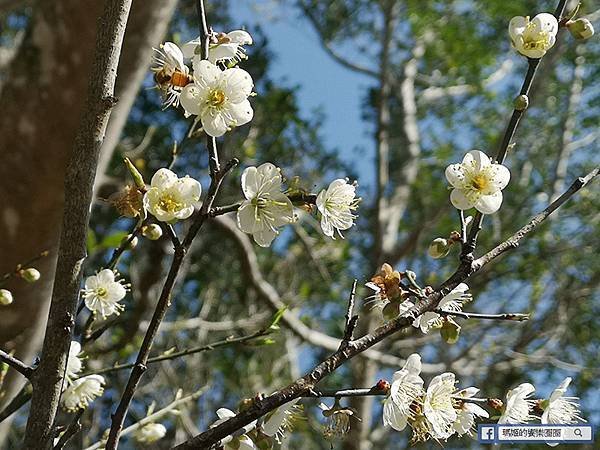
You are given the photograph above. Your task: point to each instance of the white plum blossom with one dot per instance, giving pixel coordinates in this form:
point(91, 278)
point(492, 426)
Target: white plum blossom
point(219, 98)
point(561, 410)
point(533, 38)
point(406, 388)
point(242, 442)
point(266, 208)
point(171, 198)
point(82, 392)
point(227, 47)
point(170, 72)
point(151, 432)
point(465, 419)
point(438, 407)
point(518, 406)
point(74, 364)
point(336, 204)
point(477, 183)
point(279, 421)
point(453, 302)
point(103, 292)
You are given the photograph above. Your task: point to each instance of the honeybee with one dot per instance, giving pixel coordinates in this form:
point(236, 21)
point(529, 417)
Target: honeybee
point(170, 73)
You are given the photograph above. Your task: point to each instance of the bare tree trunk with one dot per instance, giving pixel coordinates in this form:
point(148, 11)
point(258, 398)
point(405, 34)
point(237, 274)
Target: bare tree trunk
point(48, 378)
point(46, 121)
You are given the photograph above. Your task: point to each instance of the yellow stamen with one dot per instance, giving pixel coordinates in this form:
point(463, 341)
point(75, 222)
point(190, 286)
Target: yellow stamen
point(216, 98)
point(169, 203)
point(479, 182)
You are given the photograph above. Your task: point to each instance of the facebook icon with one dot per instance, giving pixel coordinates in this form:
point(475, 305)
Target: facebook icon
point(487, 433)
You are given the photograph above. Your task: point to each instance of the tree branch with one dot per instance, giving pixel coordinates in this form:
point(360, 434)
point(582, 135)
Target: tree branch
point(79, 180)
point(19, 366)
point(516, 317)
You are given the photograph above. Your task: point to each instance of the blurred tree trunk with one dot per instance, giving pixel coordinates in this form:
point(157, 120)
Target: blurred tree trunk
point(43, 95)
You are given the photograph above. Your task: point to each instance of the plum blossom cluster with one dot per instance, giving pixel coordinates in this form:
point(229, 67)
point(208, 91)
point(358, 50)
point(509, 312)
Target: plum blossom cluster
point(267, 208)
point(393, 296)
point(103, 292)
point(274, 427)
point(441, 410)
point(79, 392)
point(214, 89)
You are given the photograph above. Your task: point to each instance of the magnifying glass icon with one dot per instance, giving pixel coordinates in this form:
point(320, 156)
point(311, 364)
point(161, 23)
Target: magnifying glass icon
point(578, 432)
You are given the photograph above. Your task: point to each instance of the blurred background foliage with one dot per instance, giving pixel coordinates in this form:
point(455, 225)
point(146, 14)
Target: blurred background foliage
point(465, 80)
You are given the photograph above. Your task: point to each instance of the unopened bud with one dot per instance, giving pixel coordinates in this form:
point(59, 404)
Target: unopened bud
point(152, 232)
point(383, 385)
point(135, 174)
point(129, 242)
point(521, 102)
point(6, 297)
point(439, 248)
point(30, 275)
point(581, 28)
point(450, 332)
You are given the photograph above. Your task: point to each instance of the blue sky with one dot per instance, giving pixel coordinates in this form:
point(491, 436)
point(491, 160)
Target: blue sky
point(324, 84)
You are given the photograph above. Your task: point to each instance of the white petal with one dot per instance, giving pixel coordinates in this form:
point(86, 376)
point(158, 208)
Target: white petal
point(115, 292)
point(489, 204)
point(477, 160)
point(206, 72)
point(214, 124)
point(105, 277)
point(413, 364)
point(476, 409)
point(283, 211)
point(546, 22)
point(189, 48)
point(237, 85)
point(175, 55)
point(455, 175)
point(498, 176)
point(222, 51)
point(246, 218)
point(242, 113)
point(264, 238)
point(188, 189)
point(183, 213)
point(459, 199)
point(224, 413)
point(191, 97)
point(516, 27)
point(250, 182)
point(392, 416)
point(240, 37)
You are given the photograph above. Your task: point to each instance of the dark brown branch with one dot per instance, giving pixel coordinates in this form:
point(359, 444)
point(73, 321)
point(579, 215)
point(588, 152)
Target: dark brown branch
point(351, 319)
point(516, 317)
point(356, 392)
point(73, 428)
point(303, 386)
point(16, 364)
point(79, 180)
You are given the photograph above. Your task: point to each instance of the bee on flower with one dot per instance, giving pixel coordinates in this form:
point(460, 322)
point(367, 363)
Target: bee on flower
point(170, 73)
point(533, 38)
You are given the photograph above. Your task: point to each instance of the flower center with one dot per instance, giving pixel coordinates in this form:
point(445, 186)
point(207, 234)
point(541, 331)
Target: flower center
point(216, 98)
point(101, 292)
point(479, 182)
point(169, 203)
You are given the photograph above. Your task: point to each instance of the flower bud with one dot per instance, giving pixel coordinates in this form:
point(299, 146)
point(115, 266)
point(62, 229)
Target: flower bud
point(439, 248)
point(495, 403)
point(450, 332)
point(135, 174)
point(521, 102)
point(131, 244)
point(152, 232)
point(30, 275)
point(6, 297)
point(581, 28)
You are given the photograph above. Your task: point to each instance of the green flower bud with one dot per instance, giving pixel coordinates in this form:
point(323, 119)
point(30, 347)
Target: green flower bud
point(581, 28)
point(152, 232)
point(30, 275)
point(439, 248)
point(6, 297)
point(450, 331)
point(135, 174)
point(521, 102)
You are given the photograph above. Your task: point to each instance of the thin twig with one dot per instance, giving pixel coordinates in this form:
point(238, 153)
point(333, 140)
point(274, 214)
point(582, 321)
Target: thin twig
point(26, 264)
point(356, 392)
point(16, 364)
point(73, 428)
point(516, 317)
point(351, 319)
